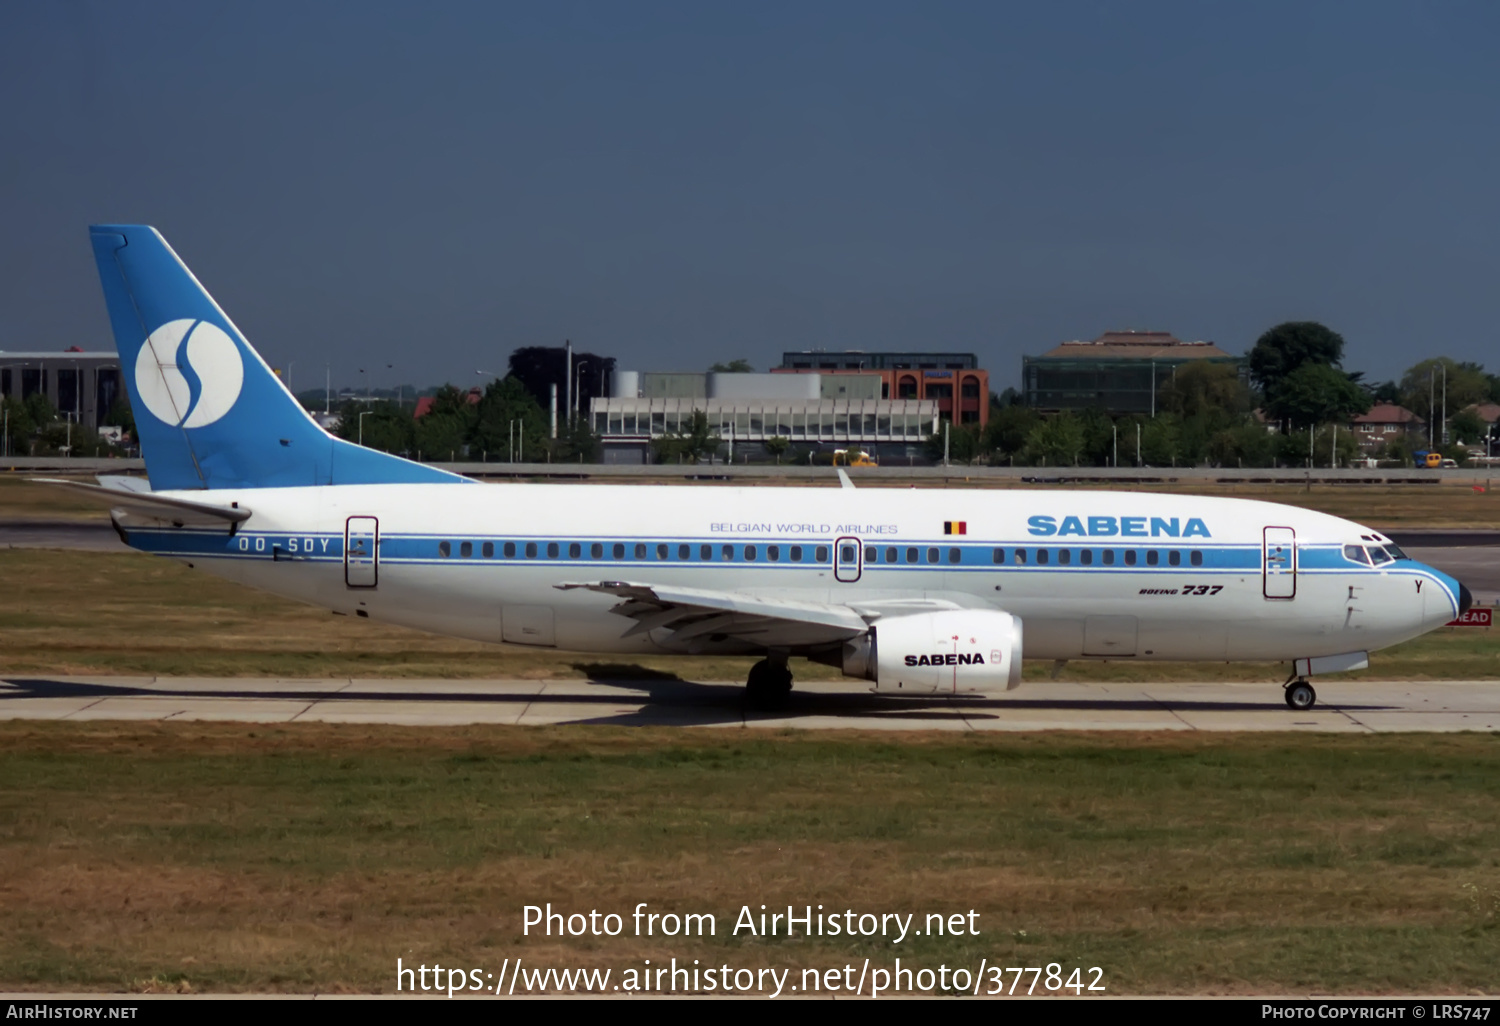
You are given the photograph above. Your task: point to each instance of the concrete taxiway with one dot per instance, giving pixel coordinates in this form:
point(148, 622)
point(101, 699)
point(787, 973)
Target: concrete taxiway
point(1054, 705)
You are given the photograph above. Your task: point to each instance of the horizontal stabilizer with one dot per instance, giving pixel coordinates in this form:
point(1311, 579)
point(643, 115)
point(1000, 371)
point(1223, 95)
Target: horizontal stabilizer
point(183, 512)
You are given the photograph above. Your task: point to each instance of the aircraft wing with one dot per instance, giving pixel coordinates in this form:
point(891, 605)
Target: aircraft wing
point(690, 613)
point(132, 499)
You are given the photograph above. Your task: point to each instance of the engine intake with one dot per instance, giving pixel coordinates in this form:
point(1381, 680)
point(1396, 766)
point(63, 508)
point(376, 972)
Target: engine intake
point(950, 651)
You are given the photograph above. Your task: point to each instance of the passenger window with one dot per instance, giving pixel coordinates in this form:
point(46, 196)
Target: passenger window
point(999, 555)
point(932, 555)
point(1130, 557)
point(1108, 557)
point(1152, 557)
point(955, 555)
point(684, 552)
point(489, 550)
point(1086, 557)
point(1195, 558)
point(1064, 556)
point(510, 550)
point(749, 553)
point(444, 549)
point(552, 550)
point(1021, 557)
point(1041, 557)
point(796, 553)
point(531, 550)
point(640, 550)
point(891, 554)
point(618, 551)
point(846, 553)
point(1356, 553)
point(596, 550)
point(575, 550)
point(1174, 558)
point(872, 554)
point(705, 552)
point(726, 553)
point(822, 553)
point(661, 552)
point(773, 553)
point(465, 549)
point(911, 555)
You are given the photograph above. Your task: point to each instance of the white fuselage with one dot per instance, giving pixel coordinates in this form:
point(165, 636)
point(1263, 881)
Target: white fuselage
point(1090, 574)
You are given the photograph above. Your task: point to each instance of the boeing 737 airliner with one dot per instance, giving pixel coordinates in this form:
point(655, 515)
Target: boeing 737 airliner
point(919, 591)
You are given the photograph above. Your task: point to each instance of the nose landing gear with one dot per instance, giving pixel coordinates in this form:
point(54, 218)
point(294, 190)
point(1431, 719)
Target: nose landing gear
point(1300, 695)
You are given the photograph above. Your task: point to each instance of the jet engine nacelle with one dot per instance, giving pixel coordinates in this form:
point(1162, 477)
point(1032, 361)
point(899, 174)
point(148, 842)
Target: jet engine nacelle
point(948, 651)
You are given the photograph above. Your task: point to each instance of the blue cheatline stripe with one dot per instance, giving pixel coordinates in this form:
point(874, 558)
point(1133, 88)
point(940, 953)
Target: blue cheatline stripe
point(424, 548)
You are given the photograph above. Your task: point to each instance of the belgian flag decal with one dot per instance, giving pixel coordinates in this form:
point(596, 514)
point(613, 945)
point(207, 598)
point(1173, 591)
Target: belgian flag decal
point(955, 527)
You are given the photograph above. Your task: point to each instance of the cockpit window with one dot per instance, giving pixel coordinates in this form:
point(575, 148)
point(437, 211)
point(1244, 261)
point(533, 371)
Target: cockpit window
point(1395, 551)
point(1378, 555)
point(1356, 553)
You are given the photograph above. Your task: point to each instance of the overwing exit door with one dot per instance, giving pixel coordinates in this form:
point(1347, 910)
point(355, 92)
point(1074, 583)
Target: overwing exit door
point(1279, 563)
point(361, 552)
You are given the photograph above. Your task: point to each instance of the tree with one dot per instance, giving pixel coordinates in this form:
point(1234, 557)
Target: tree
point(1422, 388)
point(732, 367)
point(576, 442)
point(541, 367)
point(1467, 426)
point(386, 426)
point(1204, 389)
point(1008, 429)
point(1161, 441)
point(1055, 442)
point(777, 446)
point(1246, 445)
point(1316, 393)
point(1286, 347)
point(505, 406)
point(691, 445)
point(1385, 392)
point(963, 443)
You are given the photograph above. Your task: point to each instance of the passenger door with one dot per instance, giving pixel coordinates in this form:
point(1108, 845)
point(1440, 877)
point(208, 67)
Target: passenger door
point(847, 559)
point(361, 552)
point(1279, 563)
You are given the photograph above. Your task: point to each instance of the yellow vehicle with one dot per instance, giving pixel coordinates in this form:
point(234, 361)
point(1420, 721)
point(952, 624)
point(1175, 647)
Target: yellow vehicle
point(844, 458)
point(1424, 459)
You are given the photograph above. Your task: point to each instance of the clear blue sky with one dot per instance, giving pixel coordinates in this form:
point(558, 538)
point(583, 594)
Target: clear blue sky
point(433, 185)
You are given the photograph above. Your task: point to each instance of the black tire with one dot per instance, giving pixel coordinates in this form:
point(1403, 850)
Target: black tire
point(768, 686)
point(1301, 696)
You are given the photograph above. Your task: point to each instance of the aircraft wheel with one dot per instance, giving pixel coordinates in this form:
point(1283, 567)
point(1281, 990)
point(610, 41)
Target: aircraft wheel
point(1300, 696)
point(769, 685)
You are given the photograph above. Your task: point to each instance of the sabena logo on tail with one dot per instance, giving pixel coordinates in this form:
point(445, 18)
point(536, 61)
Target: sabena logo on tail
point(214, 360)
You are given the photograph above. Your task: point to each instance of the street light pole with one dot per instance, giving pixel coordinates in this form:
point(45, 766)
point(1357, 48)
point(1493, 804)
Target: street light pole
point(362, 416)
point(578, 391)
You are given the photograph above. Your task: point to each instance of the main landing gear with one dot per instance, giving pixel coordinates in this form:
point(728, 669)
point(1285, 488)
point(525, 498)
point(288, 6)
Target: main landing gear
point(1300, 695)
point(769, 685)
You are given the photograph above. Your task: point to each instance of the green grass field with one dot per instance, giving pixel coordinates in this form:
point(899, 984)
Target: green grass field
point(308, 858)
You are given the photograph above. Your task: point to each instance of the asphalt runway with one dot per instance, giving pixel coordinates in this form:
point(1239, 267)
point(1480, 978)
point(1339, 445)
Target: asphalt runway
point(1342, 706)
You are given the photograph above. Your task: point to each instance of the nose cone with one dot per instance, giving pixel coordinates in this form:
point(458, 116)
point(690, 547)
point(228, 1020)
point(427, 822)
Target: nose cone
point(1447, 600)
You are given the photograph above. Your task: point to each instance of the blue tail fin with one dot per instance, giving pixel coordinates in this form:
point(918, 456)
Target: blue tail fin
point(209, 412)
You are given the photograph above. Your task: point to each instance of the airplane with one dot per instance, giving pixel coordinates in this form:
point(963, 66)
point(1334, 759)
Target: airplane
point(921, 592)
